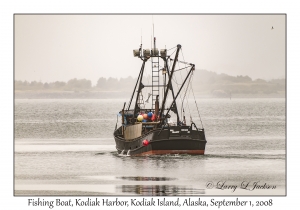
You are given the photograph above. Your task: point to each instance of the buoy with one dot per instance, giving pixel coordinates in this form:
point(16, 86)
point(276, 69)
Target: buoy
point(140, 118)
point(153, 118)
point(145, 116)
point(145, 142)
point(150, 115)
point(144, 120)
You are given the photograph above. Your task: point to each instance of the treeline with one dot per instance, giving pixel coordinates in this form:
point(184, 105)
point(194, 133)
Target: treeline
point(73, 84)
point(225, 85)
point(103, 84)
point(204, 82)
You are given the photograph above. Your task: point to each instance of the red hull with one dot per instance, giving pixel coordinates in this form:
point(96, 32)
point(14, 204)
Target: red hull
point(164, 152)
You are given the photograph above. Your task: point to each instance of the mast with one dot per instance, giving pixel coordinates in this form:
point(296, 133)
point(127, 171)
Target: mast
point(135, 88)
point(141, 86)
point(172, 90)
point(170, 80)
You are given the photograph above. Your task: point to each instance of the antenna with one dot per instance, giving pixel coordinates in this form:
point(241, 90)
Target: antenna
point(153, 33)
point(151, 42)
point(153, 25)
point(153, 29)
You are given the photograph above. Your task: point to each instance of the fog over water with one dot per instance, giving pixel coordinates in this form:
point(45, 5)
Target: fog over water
point(52, 48)
point(66, 147)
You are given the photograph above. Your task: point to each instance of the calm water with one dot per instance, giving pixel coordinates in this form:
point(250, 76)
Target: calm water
point(65, 147)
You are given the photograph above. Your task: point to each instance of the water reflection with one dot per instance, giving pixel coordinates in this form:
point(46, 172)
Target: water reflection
point(144, 178)
point(160, 190)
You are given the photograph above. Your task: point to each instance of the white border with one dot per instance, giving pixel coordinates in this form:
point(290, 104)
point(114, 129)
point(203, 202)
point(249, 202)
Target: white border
point(8, 8)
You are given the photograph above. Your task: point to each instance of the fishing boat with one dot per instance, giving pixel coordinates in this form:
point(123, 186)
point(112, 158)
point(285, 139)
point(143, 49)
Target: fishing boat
point(147, 128)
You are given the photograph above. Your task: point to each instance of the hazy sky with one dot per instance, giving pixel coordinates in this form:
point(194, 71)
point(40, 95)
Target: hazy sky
point(61, 47)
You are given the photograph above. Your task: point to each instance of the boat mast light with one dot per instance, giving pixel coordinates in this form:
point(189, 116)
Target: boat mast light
point(155, 51)
point(146, 52)
point(136, 53)
point(163, 52)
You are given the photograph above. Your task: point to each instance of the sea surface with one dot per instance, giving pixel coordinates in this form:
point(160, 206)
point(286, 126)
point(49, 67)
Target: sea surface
point(66, 147)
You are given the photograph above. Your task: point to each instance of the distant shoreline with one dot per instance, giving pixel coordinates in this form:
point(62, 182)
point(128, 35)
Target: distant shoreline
point(209, 85)
point(119, 94)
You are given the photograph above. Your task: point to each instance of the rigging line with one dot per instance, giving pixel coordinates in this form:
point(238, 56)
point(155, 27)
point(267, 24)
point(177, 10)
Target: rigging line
point(186, 104)
point(181, 69)
point(187, 87)
point(173, 53)
point(188, 96)
point(182, 98)
point(174, 79)
point(180, 95)
point(182, 54)
point(171, 48)
point(181, 80)
point(190, 83)
point(196, 105)
point(184, 59)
